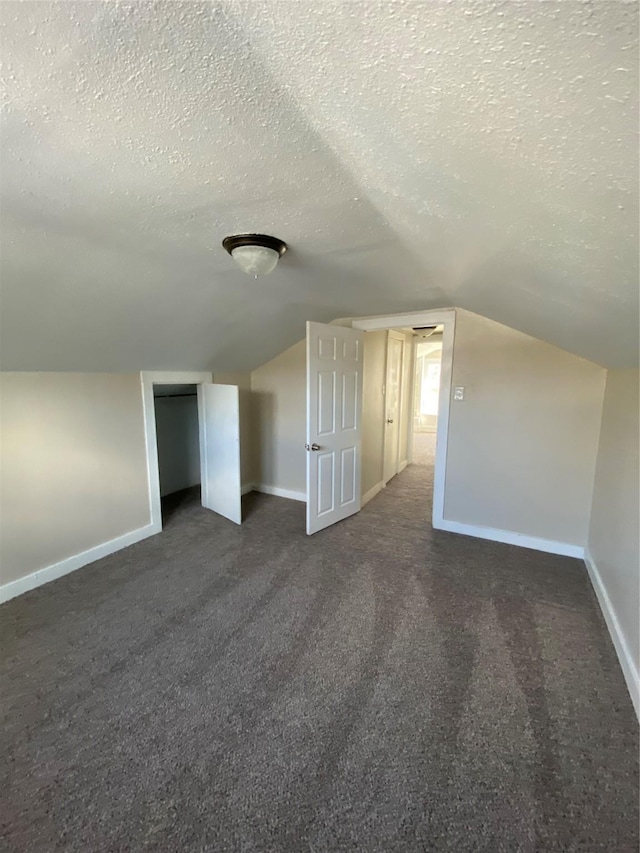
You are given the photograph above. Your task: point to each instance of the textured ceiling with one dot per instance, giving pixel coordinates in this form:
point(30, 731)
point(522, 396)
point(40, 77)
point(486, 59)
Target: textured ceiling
point(413, 155)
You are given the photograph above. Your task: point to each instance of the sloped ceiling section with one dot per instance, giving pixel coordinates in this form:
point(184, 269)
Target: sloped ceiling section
point(413, 155)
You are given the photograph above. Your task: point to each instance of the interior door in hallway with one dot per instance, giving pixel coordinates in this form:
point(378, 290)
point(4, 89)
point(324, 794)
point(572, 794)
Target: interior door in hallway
point(393, 391)
point(219, 417)
point(334, 410)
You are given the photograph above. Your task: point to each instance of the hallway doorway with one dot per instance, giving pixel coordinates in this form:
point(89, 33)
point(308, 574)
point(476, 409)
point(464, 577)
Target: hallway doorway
point(426, 395)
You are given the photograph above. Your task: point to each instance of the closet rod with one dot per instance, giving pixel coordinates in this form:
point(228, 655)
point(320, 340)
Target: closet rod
point(168, 396)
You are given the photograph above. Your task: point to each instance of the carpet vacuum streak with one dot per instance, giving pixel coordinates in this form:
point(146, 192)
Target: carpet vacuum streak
point(377, 687)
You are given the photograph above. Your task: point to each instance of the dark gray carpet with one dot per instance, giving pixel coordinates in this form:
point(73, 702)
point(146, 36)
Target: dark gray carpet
point(379, 687)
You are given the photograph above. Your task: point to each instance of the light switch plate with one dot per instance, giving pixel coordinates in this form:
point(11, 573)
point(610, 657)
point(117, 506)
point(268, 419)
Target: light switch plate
point(458, 392)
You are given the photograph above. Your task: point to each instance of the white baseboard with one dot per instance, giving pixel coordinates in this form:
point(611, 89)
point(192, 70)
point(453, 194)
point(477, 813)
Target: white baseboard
point(280, 493)
point(631, 674)
point(246, 488)
point(509, 537)
point(64, 567)
point(403, 465)
point(372, 492)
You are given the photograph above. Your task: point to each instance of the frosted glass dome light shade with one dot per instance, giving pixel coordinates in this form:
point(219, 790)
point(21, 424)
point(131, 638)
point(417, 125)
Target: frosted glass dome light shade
point(255, 254)
point(256, 260)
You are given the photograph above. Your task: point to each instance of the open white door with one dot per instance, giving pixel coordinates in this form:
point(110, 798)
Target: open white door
point(334, 408)
point(219, 415)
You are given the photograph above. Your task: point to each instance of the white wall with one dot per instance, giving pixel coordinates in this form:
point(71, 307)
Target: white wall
point(73, 472)
point(178, 442)
point(278, 391)
point(522, 444)
point(613, 550)
point(406, 399)
point(374, 377)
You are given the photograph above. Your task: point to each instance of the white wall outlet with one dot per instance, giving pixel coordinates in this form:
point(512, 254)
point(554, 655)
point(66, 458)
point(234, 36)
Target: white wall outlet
point(458, 392)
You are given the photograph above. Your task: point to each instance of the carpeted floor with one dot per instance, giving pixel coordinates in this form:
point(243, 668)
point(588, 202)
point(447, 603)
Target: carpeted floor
point(378, 687)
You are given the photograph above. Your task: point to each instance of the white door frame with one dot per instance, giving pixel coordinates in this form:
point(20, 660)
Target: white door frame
point(149, 378)
point(442, 317)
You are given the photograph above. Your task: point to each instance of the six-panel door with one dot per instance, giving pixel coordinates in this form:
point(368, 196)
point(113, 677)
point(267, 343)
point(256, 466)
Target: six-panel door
point(334, 406)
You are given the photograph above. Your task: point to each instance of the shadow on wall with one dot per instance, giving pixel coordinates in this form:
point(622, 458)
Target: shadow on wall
point(279, 435)
point(247, 450)
point(263, 408)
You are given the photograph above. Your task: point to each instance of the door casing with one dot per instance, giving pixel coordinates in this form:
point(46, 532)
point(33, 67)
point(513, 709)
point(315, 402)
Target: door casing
point(148, 379)
point(447, 318)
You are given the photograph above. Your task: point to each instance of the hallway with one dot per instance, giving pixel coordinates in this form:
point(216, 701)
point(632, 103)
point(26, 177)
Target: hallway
point(377, 687)
point(424, 450)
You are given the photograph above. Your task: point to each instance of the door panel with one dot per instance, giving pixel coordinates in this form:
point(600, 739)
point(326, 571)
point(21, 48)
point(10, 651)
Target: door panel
point(348, 471)
point(351, 350)
point(395, 351)
point(349, 399)
point(327, 347)
point(326, 402)
point(326, 469)
point(219, 413)
point(334, 407)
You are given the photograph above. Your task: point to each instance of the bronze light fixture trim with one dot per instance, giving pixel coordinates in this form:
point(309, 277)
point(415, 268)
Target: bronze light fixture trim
point(255, 254)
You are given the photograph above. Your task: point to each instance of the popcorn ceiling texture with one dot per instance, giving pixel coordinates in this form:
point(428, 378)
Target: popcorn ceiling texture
point(413, 155)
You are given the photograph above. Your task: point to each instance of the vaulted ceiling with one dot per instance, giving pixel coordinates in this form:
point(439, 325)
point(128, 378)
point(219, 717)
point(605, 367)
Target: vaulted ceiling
point(413, 155)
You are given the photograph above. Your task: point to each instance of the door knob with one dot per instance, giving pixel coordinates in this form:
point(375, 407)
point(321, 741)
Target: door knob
point(312, 447)
point(389, 420)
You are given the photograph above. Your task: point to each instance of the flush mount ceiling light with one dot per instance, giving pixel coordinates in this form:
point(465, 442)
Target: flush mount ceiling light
point(255, 254)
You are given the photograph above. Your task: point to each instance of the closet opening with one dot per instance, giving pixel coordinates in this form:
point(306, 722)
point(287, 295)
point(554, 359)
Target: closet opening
point(178, 441)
